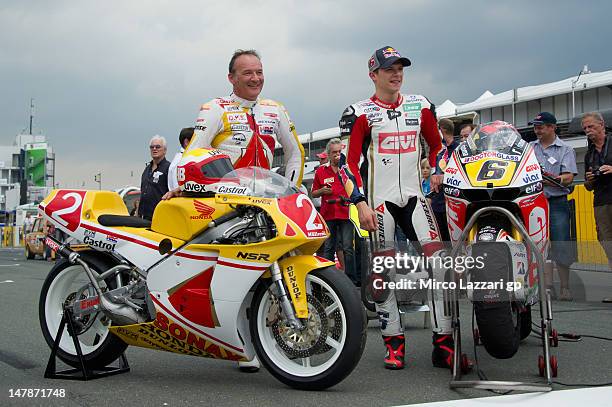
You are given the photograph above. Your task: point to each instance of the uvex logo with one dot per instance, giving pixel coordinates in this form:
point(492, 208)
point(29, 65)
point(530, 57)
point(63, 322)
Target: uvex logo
point(395, 143)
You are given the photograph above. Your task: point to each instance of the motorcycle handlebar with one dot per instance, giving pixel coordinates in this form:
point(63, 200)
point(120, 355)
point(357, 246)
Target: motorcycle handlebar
point(551, 179)
point(341, 201)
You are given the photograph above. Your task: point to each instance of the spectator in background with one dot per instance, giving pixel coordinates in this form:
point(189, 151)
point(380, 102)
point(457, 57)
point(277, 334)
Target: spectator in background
point(598, 178)
point(49, 230)
point(558, 160)
point(154, 180)
point(134, 210)
point(334, 209)
point(438, 205)
point(323, 158)
point(465, 131)
point(425, 173)
point(27, 223)
point(184, 139)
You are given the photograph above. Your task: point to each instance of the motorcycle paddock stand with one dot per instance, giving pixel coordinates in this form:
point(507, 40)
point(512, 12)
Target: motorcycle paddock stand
point(545, 315)
point(81, 373)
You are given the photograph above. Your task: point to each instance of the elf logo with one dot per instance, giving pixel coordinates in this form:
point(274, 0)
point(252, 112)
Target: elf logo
point(396, 143)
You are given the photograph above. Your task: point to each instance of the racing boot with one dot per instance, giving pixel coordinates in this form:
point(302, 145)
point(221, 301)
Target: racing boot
point(394, 358)
point(443, 351)
point(250, 366)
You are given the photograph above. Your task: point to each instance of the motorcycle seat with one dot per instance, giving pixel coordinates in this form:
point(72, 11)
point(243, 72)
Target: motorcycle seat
point(123, 220)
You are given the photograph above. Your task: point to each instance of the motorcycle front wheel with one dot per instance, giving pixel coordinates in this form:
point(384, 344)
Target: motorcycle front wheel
point(62, 286)
point(499, 321)
point(328, 348)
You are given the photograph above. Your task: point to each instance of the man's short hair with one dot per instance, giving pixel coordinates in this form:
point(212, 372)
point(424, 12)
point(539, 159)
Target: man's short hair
point(593, 115)
point(472, 126)
point(162, 139)
point(238, 53)
point(447, 126)
point(331, 142)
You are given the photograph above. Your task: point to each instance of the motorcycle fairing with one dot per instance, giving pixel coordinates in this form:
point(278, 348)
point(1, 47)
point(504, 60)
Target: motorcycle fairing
point(294, 270)
point(171, 335)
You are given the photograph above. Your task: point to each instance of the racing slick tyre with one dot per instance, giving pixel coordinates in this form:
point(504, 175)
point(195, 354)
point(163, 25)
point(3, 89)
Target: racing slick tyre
point(526, 322)
point(499, 321)
point(327, 349)
point(63, 284)
point(29, 255)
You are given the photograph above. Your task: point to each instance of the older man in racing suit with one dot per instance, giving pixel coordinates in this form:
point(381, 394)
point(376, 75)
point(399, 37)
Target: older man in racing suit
point(246, 127)
point(385, 130)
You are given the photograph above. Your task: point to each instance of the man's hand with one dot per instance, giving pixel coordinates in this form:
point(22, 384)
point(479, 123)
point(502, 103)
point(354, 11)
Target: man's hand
point(325, 190)
point(367, 217)
point(606, 169)
point(171, 194)
point(435, 182)
point(589, 176)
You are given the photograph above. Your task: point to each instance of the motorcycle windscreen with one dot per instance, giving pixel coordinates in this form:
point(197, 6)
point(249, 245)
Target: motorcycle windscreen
point(491, 155)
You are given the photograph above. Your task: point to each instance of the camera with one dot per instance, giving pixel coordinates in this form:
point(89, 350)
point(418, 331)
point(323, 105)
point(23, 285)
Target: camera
point(596, 172)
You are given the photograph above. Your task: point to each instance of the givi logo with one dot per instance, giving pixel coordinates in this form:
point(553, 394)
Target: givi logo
point(395, 143)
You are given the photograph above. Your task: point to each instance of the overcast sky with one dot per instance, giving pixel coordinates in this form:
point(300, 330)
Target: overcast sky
point(108, 75)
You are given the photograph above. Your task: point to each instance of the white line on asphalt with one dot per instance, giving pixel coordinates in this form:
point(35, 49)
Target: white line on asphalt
point(565, 398)
point(6, 281)
point(9, 265)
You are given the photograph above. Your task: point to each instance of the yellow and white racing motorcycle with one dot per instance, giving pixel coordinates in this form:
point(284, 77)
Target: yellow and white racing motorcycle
point(228, 274)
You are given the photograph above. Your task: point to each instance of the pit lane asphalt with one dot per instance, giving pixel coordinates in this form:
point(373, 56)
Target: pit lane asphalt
point(166, 379)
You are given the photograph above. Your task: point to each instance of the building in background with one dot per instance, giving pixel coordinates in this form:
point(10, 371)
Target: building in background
point(27, 171)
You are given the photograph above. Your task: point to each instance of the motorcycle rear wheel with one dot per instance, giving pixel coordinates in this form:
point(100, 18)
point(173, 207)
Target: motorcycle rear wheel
point(330, 347)
point(99, 347)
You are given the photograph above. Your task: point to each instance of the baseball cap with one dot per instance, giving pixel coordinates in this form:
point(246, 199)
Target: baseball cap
point(385, 57)
point(544, 118)
point(322, 155)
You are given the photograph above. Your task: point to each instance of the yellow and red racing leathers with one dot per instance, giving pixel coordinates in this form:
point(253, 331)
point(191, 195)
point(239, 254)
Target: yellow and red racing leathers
point(248, 132)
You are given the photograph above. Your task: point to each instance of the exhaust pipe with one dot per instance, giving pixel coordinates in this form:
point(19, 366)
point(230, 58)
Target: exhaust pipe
point(120, 314)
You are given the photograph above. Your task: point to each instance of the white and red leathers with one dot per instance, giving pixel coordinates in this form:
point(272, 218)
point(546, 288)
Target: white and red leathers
point(388, 137)
point(248, 131)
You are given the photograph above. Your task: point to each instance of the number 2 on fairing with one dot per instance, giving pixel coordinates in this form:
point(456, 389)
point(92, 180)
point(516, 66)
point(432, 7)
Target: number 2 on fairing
point(57, 215)
point(310, 223)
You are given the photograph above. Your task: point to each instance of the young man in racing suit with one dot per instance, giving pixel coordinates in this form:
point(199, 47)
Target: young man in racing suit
point(386, 130)
point(246, 127)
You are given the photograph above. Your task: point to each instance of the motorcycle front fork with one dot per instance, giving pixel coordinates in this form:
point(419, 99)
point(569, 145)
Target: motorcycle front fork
point(277, 281)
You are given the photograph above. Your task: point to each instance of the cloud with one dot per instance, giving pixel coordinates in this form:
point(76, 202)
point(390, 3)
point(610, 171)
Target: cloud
point(107, 76)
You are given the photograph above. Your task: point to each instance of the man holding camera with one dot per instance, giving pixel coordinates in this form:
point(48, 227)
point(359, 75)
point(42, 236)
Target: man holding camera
point(334, 209)
point(598, 178)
